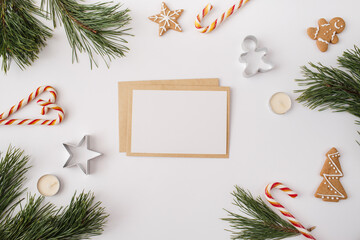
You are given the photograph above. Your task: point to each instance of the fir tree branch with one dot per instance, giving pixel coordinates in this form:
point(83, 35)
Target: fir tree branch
point(28, 222)
point(12, 176)
point(256, 221)
point(92, 28)
point(22, 35)
point(36, 220)
point(82, 219)
point(332, 88)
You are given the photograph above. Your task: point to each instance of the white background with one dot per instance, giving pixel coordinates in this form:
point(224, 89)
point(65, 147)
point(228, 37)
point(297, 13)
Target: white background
point(169, 198)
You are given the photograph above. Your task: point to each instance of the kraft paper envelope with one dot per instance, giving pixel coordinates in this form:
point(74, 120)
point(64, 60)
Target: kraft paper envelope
point(178, 121)
point(123, 92)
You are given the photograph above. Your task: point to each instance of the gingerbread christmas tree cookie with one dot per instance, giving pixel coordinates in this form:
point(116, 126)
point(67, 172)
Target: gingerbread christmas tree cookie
point(330, 189)
point(326, 32)
point(167, 19)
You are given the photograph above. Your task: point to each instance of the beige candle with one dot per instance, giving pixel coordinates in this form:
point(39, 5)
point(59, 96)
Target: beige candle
point(48, 185)
point(280, 103)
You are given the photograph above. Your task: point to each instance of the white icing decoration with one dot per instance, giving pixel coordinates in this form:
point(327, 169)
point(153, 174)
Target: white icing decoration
point(332, 38)
point(154, 17)
point(335, 24)
point(316, 33)
point(326, 24)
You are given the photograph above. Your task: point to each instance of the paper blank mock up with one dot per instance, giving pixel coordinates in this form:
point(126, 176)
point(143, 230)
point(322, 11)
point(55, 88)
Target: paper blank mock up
point(125, 87)
point(184, 123)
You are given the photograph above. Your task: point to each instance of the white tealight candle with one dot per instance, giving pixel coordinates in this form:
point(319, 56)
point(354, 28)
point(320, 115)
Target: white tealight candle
point(280, 103)
point(48, 185)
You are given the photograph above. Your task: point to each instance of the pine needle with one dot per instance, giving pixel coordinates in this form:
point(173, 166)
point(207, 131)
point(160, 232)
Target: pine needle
point(332, 88)
point(92, 28)
point(96, 29)
point(22, 35)
point(256, 221)
point(13, 167)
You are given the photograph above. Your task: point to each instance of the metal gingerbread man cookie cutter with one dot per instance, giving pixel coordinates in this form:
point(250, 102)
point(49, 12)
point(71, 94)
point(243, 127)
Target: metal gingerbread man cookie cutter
point(250, 45)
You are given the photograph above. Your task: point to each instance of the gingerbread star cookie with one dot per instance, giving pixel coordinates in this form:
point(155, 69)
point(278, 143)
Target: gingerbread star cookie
point(330, 189)
point(167, 19)
point(326, 32)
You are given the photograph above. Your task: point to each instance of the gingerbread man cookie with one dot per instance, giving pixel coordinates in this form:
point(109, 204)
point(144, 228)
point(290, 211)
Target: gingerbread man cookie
point(326, 32)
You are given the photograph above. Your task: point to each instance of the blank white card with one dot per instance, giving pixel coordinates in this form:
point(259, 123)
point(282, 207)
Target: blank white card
point(179, 122)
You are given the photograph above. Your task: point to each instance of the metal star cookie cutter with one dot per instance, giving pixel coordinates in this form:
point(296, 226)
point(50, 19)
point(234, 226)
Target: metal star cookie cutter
point(250, 45)
point(71, 162)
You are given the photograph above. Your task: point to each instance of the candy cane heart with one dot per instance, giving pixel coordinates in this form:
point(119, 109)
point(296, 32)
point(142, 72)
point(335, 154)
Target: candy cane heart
point(219, 20)
point(46, 106)
point(282, 209)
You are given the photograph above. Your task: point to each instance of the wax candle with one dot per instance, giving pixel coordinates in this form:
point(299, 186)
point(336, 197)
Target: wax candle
point(48, 185)
point(280, 103)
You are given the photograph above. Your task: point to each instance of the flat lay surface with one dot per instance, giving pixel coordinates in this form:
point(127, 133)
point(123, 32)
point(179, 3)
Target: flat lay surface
point(183, 198)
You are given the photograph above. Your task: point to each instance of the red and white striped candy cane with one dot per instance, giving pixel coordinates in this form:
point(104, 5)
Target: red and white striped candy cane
point(281, 208)
point(46, 106)
point(217, 22)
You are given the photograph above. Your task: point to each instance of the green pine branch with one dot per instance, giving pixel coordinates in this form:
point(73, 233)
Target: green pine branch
point(256, 220)
point(22, 35)
point(34, 220)
point(97, 29)
point(13, 167)
point(333, 88)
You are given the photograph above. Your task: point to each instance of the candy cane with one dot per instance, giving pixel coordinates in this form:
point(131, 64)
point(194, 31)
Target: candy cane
point(217, 22)
point(281, 208)
point(46, 106)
